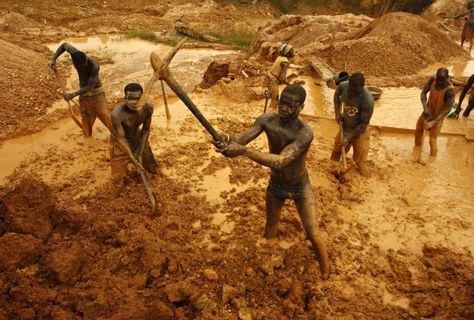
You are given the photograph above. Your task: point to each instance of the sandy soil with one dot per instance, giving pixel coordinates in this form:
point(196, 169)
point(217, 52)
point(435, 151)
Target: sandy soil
point(400, 242)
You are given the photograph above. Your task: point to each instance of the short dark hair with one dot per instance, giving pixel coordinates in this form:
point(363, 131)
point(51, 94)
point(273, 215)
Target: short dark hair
point(297, 90)
point(134, 87)
point(79, 57)
point(443, 71)
point(357, 80)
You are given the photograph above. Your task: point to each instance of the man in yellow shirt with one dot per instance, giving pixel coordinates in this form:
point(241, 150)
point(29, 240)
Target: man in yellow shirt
point(277, 73)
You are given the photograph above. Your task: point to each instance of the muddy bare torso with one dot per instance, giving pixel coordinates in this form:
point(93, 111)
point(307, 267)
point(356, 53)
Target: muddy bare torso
point(130, 121)
point(281, 134)
point(88, 71)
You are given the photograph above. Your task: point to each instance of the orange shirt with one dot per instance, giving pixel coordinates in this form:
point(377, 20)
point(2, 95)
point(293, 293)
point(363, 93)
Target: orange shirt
point(437, 101)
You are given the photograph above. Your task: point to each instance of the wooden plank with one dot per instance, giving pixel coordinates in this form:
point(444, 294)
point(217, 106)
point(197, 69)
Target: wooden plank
point(322, 69)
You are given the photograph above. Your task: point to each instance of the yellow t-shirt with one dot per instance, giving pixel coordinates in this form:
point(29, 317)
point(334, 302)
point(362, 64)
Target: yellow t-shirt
point(276, 67)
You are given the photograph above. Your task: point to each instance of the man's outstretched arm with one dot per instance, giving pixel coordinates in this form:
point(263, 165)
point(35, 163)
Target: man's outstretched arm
point(274, 161)
point(145, 133)
point(64, 47)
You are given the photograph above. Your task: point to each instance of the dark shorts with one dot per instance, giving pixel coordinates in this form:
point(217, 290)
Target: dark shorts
point(295, 191)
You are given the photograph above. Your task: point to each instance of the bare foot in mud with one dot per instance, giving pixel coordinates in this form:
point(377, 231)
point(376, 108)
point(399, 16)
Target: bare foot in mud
point(430, 160)
point(416, 154)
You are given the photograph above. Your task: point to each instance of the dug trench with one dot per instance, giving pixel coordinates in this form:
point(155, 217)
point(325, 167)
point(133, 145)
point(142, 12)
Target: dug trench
point(400, 241)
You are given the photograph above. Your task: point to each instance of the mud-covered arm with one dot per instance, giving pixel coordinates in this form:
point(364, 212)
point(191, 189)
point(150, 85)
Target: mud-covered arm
point(119, 134)
point(424, 99)
point(283, 69)
point(365, 115)
point(290, 153)
point(465, 89)
point(145, 133)
point(64, 47)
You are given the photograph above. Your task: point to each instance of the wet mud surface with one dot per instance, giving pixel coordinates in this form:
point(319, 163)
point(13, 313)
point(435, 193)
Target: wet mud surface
point(400, 241)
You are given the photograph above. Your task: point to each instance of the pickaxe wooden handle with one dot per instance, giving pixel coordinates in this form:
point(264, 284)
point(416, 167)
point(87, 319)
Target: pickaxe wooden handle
point(161, 68)
point(79, 124)
point(155, 76)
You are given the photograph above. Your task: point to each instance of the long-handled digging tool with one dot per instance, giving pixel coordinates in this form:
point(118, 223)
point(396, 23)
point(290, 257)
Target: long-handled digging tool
point(162, 69)
point(268, 95)
point(156, 75)
point(76, 121)
point(165, 100)
point(343, 147)
point(142, 102)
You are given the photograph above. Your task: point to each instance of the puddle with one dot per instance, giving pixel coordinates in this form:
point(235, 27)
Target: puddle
point(13, 152)
point(128, 60)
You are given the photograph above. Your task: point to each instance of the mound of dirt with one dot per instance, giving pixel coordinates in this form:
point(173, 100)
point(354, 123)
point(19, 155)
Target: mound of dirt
point(387, 40)
point(31, 88)
point(27, 209)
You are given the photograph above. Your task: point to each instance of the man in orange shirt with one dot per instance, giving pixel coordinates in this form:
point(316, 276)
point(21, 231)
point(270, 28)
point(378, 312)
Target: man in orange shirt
point(441, 100)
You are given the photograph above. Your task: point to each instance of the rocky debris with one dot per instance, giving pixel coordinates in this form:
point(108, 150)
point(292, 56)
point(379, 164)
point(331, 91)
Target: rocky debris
point(27, 209)
point(180, 291)
point(18, 250)
point(228, 293)
point(65, 263)
point(211, 275)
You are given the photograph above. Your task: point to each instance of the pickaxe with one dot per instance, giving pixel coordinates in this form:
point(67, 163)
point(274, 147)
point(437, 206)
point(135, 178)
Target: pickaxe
point(163, 72)
point(142, 102)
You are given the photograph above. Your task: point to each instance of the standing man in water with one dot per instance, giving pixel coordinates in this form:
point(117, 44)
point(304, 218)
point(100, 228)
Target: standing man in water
point(289, 140)
point(129, 143)
point(277, 73)
point(92, 101)
point(441, 100)
point(357, 108)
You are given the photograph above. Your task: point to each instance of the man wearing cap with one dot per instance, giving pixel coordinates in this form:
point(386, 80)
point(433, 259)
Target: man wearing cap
point(357, 108)
point(92, 101)
point(277, 73)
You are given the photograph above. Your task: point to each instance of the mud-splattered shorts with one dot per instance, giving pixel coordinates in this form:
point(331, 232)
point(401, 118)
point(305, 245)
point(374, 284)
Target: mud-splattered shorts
point(92, 105)
point(119, 163)
point(294, 191)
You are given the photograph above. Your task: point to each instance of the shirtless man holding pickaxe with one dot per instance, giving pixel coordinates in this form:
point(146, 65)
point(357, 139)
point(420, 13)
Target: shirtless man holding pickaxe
point(92, 101)
point(289, 141)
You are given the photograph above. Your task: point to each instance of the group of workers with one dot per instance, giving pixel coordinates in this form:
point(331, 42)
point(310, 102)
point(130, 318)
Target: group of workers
point(289, 138)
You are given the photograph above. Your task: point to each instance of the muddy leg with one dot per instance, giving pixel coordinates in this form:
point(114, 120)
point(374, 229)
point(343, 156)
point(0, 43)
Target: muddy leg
point(102, 111)
point(88, 117)
point(336, 149)
point(419, 137)
point(361, 152)
point(273, 87)
point(273, 207)
point(118, 170)
point(308, 214)
point(468, 108)
point(434, 133)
